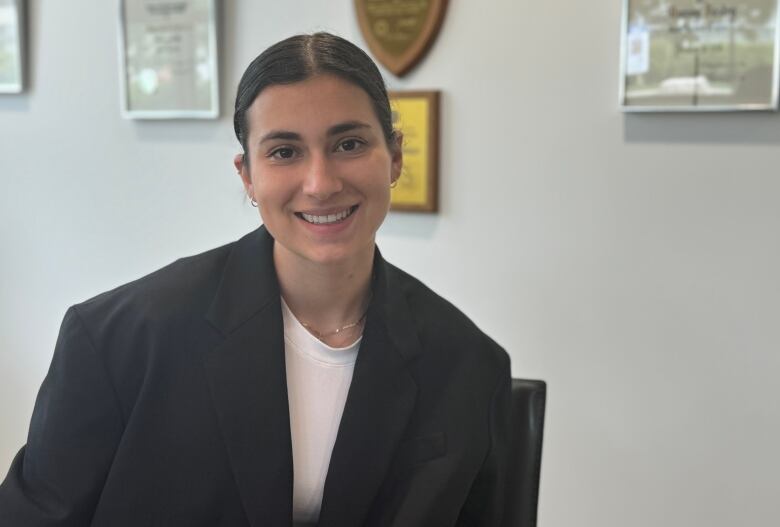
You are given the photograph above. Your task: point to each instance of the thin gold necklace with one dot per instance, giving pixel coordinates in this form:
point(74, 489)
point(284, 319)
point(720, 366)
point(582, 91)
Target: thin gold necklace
point(321, 335)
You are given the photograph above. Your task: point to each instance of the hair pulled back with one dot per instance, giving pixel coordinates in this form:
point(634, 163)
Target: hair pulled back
point(300, 57)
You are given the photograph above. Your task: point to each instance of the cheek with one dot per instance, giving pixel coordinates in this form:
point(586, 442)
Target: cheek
point(272, 190)
point(381, 197)
point(382, 171)
point(384, 192)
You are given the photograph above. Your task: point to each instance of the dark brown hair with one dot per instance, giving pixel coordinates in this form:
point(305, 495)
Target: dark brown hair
point(299, 57)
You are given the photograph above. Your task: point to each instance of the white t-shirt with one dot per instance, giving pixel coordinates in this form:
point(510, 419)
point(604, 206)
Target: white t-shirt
point(318, 379)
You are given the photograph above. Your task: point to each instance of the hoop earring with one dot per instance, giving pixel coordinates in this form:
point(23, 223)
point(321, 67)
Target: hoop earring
point(394, 184)
point(253, 202)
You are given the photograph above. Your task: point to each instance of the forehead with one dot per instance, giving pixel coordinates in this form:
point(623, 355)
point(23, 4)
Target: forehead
point(310, 106)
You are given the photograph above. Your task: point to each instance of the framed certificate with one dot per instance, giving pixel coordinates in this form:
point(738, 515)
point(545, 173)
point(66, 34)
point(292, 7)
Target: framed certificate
point(168, 57)
point(699, 55)
point(416, 115)
point(12, 40)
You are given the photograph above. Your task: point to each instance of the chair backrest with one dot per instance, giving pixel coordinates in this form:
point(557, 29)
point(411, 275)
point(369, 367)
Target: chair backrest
point(524, 458)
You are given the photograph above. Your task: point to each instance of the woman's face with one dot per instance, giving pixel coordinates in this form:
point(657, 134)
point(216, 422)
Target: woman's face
point(319, 169)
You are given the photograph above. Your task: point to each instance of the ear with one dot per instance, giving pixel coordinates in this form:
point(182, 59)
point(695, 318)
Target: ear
point(243, 172)
point(397, 156)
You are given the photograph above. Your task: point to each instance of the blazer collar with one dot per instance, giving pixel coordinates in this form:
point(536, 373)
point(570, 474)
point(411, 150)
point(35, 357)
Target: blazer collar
point(380, 401)
point(246, 376)
point(247, 379)
point(248, 282)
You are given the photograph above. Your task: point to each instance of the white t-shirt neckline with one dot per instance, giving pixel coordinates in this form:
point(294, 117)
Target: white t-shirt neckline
point(314, 348)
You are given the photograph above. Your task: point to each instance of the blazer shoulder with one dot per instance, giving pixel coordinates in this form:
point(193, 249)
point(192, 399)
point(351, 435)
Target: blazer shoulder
point(182, 287)
point(148, 326)
point(444, 327)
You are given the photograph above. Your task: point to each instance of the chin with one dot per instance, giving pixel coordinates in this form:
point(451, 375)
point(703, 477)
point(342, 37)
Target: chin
point(300, 246)
point(334, 256)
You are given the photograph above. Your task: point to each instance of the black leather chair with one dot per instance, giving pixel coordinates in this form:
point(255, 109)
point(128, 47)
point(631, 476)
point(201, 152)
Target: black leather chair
point(525, 454)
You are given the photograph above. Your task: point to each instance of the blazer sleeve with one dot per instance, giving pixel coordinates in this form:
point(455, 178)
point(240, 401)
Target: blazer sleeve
point(56, 479)
point(484, 506)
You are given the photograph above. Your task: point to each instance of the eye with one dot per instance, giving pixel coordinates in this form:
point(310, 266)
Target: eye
point(283, 152)
point(350, 145)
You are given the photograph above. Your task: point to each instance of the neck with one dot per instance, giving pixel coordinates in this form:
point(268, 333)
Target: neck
point(326, 296)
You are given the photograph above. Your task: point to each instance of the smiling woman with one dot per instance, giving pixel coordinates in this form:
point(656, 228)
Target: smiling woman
point(293, 377)
point(320, 170)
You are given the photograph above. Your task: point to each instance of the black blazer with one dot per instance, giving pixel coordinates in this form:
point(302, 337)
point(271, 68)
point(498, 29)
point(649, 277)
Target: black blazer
point(166, 404)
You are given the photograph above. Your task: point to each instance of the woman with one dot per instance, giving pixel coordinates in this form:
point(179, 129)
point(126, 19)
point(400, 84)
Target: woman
point(291, 377)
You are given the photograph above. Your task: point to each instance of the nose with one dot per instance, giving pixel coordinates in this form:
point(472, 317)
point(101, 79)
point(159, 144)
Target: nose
point(321, 180)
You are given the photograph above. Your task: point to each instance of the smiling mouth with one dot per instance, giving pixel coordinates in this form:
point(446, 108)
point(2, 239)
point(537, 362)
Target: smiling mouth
point(327, 219)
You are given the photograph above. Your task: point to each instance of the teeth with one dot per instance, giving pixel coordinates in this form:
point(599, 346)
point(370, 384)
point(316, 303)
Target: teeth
point(328, 218)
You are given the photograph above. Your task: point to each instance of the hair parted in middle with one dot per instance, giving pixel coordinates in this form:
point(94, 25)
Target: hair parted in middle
point(300, 57)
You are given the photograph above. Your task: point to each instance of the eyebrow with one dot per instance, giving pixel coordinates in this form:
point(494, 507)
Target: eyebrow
point(333, 130)
point(347, 127)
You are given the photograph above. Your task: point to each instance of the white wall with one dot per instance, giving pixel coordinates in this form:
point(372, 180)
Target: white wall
point(630, 261)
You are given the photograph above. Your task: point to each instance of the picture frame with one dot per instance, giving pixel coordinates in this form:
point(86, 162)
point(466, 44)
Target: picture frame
point(699, 55)
point(416, 115)
point(12, 46)
point(168, 59)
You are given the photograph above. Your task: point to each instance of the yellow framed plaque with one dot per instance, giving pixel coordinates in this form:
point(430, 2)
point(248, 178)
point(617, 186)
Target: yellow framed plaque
point(416, 115)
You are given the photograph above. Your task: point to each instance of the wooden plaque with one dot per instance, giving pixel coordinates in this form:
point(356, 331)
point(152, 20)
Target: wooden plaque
point(400, 32)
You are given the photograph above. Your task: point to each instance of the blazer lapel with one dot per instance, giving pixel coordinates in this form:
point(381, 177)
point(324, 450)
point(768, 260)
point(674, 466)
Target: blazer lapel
point(379, 403)
point(246, 374)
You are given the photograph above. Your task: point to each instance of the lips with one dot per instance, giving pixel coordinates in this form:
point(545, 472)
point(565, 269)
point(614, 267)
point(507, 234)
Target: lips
point(327, 219)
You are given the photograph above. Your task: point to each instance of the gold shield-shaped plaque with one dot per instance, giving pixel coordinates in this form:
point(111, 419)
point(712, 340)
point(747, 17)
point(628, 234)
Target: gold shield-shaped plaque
point(399, 32)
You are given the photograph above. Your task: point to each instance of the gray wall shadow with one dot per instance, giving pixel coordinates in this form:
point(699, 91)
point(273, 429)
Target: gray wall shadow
point(702, 128)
